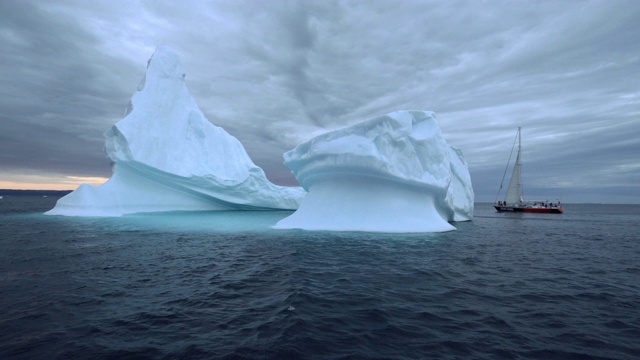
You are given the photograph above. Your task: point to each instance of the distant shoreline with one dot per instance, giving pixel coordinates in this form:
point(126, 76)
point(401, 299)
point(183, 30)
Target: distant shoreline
point(34, 192)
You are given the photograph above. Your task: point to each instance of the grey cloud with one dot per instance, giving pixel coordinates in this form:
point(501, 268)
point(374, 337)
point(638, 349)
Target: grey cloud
point(274, 73)
point(56, 91)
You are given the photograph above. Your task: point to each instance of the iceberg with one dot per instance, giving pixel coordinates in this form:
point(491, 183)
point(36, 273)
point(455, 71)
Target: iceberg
point(167, 156)
point(393, 173)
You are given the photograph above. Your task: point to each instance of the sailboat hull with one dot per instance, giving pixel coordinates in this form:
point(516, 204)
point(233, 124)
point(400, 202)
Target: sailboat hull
point(549, 210)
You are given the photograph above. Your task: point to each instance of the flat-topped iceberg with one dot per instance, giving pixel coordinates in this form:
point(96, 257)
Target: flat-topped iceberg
point(168, 157)
point(393, 173)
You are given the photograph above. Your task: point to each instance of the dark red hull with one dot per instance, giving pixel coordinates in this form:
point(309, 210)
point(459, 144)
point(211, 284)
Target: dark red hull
point(549, 210)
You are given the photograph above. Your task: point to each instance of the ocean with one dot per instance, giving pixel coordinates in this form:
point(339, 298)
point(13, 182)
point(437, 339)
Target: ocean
point(222, 285)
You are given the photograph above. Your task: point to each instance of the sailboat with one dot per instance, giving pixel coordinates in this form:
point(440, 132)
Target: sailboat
point(514, 202)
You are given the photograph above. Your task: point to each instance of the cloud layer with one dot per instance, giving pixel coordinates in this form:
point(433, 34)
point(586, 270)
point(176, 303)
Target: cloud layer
point(275, 73)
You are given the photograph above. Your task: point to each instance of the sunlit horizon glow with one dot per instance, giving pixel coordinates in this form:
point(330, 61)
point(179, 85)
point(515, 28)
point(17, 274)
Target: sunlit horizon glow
point(37, 182)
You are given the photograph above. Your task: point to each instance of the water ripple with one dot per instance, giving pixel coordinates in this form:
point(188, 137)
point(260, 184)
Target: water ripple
point(501, 287)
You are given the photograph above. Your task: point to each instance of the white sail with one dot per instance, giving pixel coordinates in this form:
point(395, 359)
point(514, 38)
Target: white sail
point(514, 191)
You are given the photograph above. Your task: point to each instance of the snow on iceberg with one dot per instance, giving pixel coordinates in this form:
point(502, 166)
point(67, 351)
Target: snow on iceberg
point(393, 173)
point(168, 157)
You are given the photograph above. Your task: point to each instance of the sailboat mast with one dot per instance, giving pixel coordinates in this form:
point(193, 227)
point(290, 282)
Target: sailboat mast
point(519, 165)
point(507, 167)
point(514, 191)
point(519, 141)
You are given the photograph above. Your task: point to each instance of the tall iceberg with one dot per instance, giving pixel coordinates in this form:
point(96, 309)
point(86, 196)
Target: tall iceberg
point(393, 173)
point(168, 157)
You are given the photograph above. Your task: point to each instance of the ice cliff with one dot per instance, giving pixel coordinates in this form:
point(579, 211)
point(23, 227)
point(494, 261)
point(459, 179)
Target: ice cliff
point(168, 157)
point(393, 173)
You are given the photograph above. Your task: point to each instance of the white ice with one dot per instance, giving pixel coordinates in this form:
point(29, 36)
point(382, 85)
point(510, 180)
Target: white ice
point(168, 157)
point(393, 173)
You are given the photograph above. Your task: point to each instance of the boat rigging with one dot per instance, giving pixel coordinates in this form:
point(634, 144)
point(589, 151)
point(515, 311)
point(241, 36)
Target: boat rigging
point(514, 202)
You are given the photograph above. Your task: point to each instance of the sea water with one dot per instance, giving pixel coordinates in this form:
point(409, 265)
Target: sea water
point(210, 285)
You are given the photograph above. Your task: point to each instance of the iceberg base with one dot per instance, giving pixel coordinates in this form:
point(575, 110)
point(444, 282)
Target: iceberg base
point(363, 203)
point(129, 192)
point(136, 188)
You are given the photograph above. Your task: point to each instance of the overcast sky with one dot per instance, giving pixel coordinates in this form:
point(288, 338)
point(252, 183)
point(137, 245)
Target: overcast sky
point(275, 73)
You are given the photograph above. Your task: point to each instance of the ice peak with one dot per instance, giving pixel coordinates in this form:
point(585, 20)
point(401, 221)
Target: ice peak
point(168, 156)
point(165, 63)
